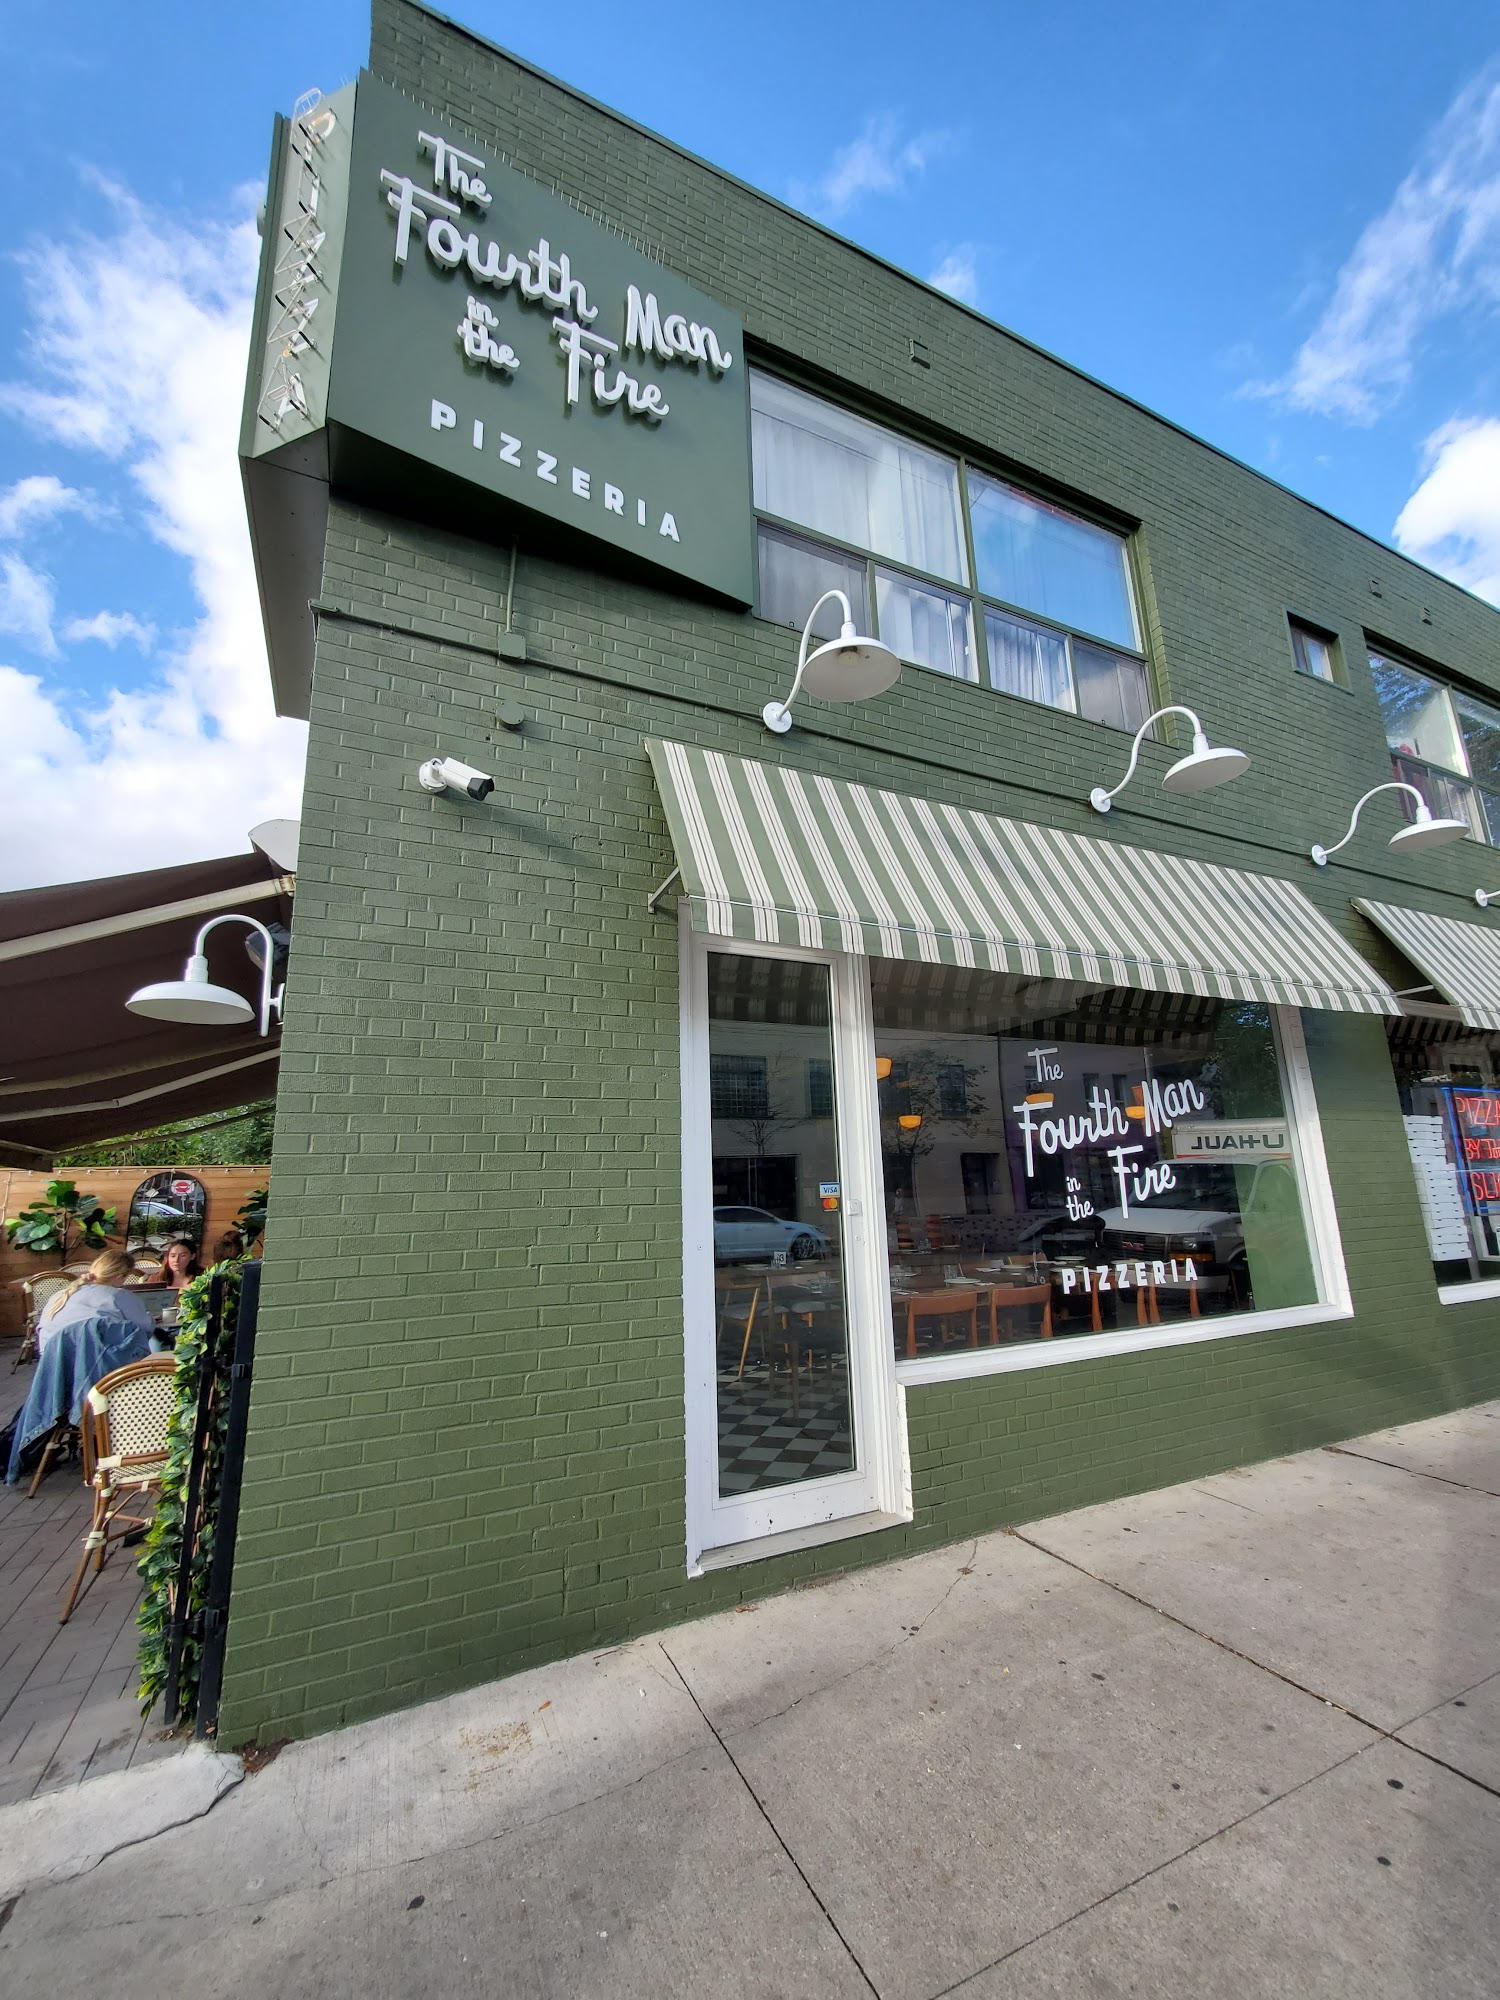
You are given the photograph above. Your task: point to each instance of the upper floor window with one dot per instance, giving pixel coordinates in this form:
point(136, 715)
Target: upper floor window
point(1316, 653)
point(1049, 616)
point(739, 1087)
point(1444, 742)
point(833, 472)
point(1035, 556)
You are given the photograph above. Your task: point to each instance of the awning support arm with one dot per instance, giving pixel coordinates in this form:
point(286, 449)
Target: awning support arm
point(656, 894)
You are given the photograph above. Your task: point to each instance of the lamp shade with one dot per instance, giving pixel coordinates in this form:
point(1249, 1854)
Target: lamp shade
point(850, 668)
point(1203, 768)
point(1425, 831)
point(192, 999)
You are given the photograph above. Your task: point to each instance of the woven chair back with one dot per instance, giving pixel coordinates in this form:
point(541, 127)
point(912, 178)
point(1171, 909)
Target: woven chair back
point(39, 1290)
point(126, 1414)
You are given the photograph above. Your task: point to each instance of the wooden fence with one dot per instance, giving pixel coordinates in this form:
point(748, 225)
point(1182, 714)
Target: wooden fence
point(226, 1189)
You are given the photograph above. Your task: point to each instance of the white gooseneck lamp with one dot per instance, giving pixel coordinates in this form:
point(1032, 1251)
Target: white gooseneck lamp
point(847, 668)
point(1202, 768)
point(1422, 832)
point(192, 998)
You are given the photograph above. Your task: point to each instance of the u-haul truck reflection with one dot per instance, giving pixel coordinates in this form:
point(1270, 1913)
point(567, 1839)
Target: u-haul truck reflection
point(1230, 1142)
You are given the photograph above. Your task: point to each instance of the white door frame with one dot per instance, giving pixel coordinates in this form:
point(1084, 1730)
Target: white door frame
point(878, 1491)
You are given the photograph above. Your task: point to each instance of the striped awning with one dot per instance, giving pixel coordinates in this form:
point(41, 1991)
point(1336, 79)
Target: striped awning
point(1462, 960)
point(781, 856)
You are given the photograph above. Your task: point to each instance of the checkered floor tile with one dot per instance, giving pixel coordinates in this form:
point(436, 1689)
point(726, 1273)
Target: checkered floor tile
point(762, 1443)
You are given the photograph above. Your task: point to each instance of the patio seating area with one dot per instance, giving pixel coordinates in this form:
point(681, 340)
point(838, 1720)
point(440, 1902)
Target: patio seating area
point(68, 1708)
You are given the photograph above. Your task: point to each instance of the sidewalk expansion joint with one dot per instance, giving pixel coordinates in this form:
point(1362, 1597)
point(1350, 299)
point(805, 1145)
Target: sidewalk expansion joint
point(775, 1831)
point(1168, 1861)
point(1298, 1687)
point(1343, 1451)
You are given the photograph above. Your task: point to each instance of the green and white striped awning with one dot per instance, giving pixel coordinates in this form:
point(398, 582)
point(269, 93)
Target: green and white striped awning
point(1462, 960)
point(781, 856)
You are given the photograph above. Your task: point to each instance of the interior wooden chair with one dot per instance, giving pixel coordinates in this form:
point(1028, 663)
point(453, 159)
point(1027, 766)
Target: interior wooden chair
point(1208, 1284)
point(124, 1429)
point(737, 1305)
point(1005, 1296)
point(945, 1306)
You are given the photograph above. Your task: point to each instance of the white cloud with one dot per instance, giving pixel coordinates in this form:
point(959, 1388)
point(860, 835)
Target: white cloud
point(1452, 521)
point(26, 601)
point(39, 498)
point(138, 349)
point(110, 628)
point(1434, 251)
point(879, 161)
point(958, 274)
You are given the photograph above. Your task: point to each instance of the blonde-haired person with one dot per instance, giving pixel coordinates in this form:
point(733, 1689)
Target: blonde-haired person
point(99, 1292)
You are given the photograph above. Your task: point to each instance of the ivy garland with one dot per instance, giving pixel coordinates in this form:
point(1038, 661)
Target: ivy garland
point(162, 1554)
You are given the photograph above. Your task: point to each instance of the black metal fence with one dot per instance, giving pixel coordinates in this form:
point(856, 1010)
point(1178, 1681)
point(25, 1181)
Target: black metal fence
point(211, 1507)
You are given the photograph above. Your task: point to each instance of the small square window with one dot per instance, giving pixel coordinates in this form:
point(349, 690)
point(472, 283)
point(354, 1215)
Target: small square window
point(1317, 653)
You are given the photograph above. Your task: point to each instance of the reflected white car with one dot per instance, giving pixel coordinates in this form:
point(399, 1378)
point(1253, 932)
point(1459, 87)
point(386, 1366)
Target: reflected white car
point(755, 1232)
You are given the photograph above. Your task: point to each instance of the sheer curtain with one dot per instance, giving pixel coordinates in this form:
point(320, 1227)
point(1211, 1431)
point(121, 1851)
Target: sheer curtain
point(926, 626)
point(1029, 662)
point(841, 476)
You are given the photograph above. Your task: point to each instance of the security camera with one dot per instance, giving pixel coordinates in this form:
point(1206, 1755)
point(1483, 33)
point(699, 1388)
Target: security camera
point(446, 774)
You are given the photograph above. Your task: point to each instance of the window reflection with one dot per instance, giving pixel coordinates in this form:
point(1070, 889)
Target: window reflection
point(782, 1349)
point(1448, 1077)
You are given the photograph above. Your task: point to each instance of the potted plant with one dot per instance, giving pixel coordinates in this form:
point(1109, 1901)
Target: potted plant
point(62, 1218)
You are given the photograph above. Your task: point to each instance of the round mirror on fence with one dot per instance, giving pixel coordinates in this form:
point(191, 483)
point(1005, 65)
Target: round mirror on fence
point(168, 1205)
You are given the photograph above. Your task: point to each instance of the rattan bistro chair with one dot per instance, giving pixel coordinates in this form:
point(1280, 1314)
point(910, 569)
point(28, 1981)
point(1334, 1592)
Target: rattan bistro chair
point(125, 1421)
point(36, 1292)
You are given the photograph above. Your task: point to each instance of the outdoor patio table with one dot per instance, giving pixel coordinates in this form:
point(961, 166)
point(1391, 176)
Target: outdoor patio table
point(73, 1360)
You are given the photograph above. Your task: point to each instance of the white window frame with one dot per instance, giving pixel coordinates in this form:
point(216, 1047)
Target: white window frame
point(1325, 1246)
point(877, 1494)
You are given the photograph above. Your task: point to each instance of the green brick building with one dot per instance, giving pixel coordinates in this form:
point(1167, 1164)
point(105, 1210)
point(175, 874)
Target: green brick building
point(719, 1156)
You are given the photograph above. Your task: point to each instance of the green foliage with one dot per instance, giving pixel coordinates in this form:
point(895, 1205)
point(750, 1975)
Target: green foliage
point(251, 1217)
point(162, 1554)
point(62, 1217)
point(237, 1139)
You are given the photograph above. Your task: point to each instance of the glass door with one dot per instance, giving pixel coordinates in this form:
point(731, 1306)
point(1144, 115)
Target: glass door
point(790, 1383)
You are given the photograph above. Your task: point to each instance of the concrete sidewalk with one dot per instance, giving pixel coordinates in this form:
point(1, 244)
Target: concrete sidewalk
point(1238, 1737)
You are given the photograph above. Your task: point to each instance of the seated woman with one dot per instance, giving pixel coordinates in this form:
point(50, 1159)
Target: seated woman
point(230, 1247)
point(179, 1265)
point(100, 1292)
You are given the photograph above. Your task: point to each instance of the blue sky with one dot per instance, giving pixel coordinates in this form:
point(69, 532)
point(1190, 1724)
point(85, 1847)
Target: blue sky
point(1278, 224)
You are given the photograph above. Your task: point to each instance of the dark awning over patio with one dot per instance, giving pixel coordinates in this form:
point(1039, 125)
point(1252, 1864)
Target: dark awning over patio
point(74, 1064)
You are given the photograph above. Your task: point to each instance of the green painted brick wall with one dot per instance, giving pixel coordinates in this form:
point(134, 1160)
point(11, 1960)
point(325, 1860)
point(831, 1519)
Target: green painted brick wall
point(466, 1447)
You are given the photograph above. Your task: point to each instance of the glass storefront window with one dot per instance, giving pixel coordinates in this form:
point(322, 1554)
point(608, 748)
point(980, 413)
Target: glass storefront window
point(1448, 1077)
point(781, 1326)
point(1061, 1161)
